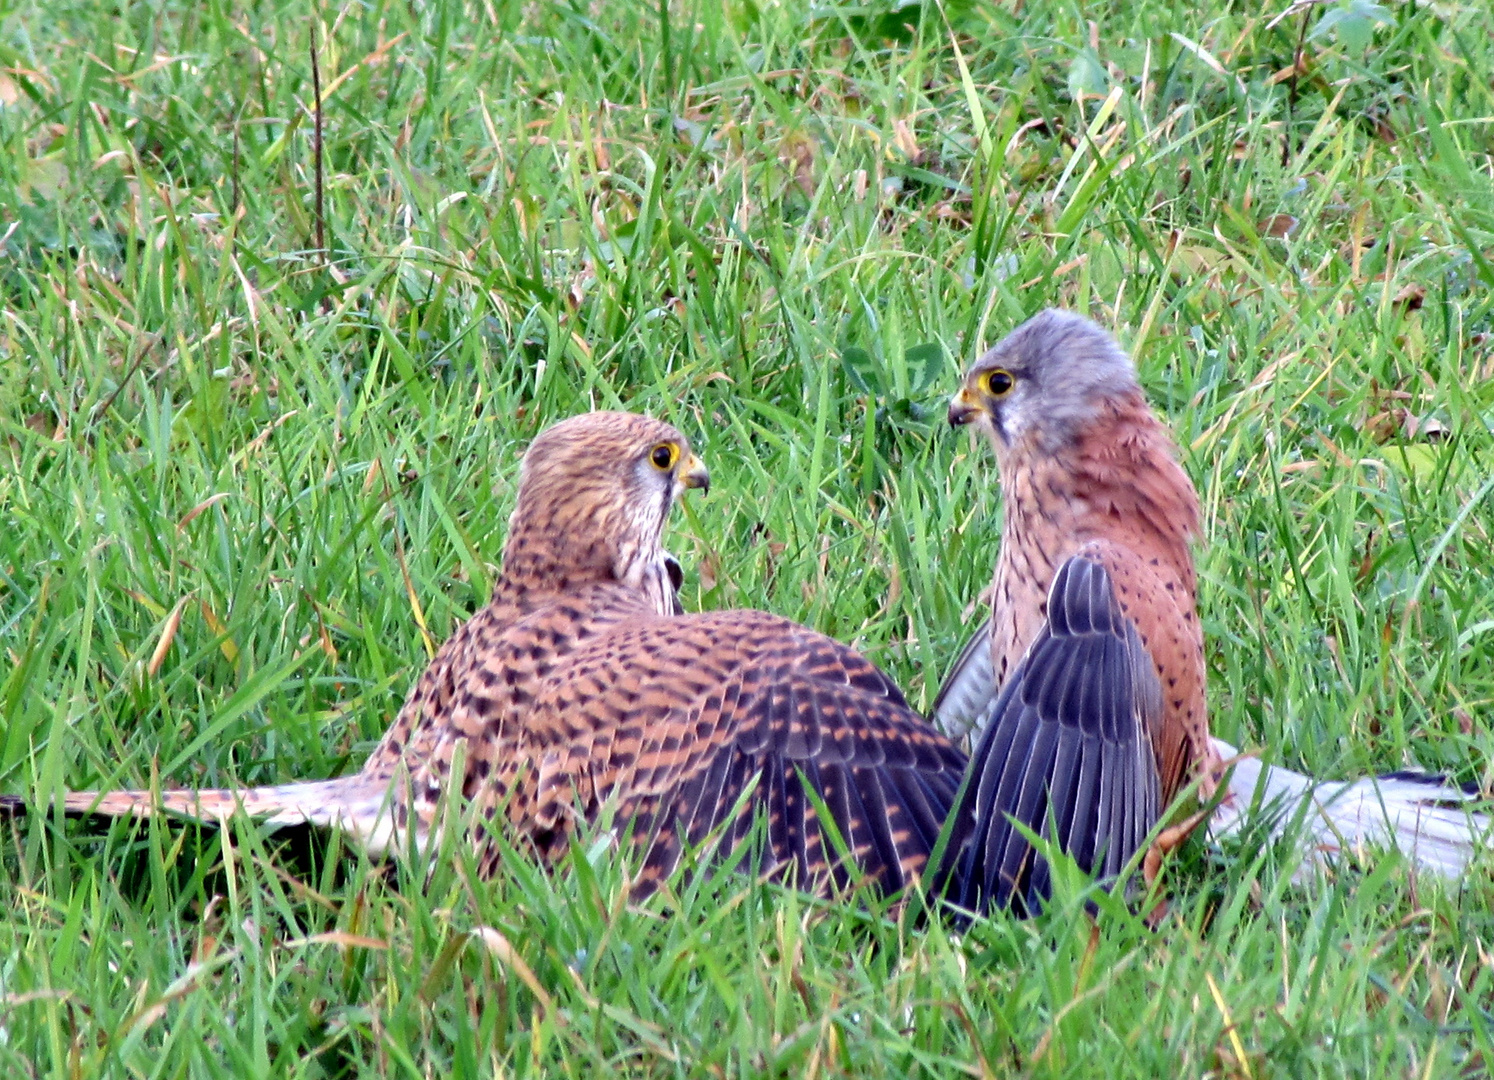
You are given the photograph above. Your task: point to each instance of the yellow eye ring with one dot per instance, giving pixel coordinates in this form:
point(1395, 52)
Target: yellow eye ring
point(664, 456)
point(997, 382)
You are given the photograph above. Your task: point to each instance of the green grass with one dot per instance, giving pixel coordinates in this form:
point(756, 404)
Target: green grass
point(784, 228)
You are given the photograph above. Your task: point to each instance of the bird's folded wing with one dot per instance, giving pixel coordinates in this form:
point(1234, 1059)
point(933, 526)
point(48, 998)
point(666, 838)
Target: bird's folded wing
point(964, 700)
point(742, 700)
point(1067, 750)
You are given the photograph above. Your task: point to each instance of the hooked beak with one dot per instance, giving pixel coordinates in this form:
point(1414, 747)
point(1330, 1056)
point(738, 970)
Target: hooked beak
point(964, 408)
point(693, 474)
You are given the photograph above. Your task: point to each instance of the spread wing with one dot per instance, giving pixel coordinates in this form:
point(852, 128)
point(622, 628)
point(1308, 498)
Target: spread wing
point(1067, 751)
point(673, 720)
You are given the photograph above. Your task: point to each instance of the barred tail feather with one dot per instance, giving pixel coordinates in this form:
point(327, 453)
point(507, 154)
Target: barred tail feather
point(1432, 822)
point(349, 803)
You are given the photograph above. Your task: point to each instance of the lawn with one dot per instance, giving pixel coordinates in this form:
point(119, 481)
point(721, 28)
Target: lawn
point(263, 394)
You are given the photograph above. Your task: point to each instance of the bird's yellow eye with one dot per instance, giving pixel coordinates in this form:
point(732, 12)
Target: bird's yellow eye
point(664, 456)
point(997, 382)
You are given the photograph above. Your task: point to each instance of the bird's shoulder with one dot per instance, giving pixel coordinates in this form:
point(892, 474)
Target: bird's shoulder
point(741, 677)
point(719, 645)
point(1148, 590)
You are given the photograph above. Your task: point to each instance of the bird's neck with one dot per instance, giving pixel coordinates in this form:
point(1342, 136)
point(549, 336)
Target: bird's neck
point(549, 559)
point(1120, 478)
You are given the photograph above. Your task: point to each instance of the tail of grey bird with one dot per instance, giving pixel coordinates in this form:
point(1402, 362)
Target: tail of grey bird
point(1433, 823)
point(350, 803)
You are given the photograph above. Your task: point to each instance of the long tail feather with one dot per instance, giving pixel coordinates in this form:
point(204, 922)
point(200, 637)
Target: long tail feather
point(1431, 822)
point(350, 803)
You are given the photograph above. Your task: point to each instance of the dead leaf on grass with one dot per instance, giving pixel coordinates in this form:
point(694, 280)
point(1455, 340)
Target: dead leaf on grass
point(797, 152)
point(1279, 226)
point(903, 139)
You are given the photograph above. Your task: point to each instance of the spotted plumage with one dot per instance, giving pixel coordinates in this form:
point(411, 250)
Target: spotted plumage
point(581, 688)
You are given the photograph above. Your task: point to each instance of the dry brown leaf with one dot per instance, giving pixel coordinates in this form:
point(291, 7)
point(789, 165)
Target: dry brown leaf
point(797, 153)
point(1383, 426)
point(710, 571)
point(43, 422)
point(1402, 423)
point(903, 139)
point(168, 634)
point(1279, 226)
point(1410, 296)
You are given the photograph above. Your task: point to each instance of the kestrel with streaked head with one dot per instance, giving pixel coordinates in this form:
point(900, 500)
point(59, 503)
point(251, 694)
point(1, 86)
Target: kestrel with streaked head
point(579, 687)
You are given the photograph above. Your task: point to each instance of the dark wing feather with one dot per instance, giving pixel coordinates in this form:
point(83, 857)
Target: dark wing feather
point(685, 712)
point(1067, 750)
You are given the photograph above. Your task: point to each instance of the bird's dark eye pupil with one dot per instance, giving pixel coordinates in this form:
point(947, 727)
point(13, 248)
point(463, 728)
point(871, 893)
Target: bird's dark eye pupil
point(1000, 381)
point(662, 456)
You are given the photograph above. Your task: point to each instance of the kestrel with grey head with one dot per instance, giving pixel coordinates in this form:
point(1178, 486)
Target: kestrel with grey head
point(1085, 689)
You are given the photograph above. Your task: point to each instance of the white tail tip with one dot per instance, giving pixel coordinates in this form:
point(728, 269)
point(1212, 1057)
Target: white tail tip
point(1430, 822)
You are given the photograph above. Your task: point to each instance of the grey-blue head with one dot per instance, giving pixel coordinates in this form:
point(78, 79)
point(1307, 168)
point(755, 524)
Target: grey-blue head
point(1046, 379)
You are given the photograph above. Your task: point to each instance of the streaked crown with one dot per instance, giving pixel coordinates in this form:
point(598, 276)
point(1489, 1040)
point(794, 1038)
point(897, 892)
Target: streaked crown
point(594, 493)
